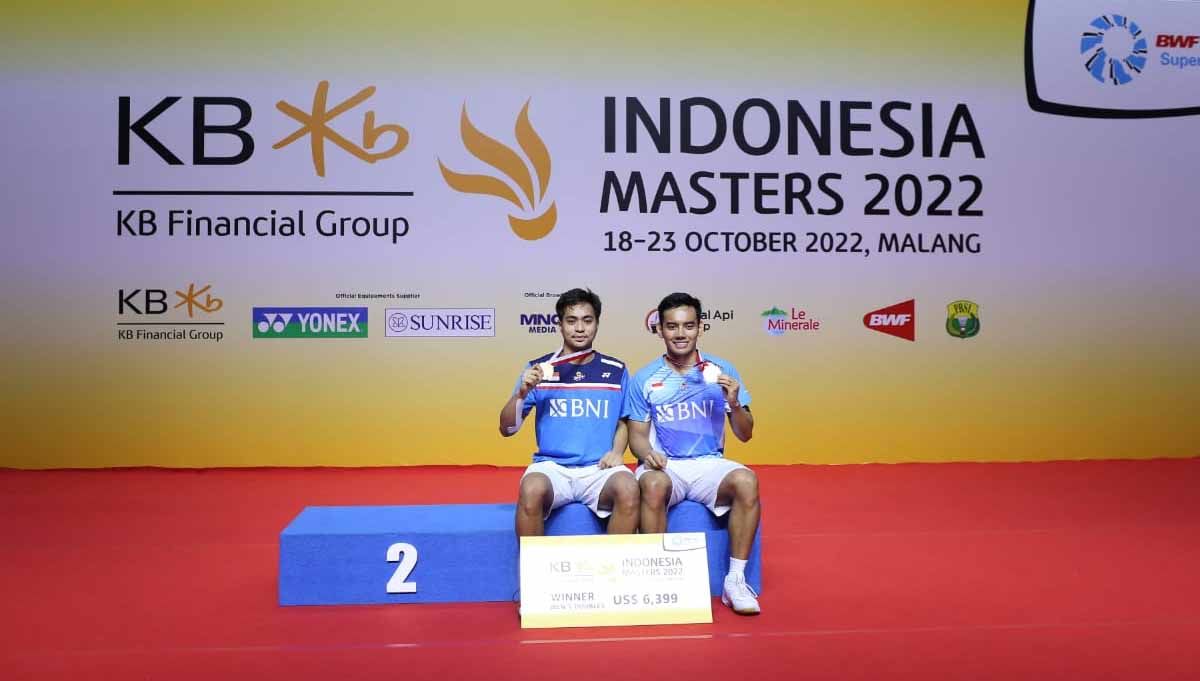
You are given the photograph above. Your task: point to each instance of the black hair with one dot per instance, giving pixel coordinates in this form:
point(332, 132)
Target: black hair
point(677, 300)
point(577, 296)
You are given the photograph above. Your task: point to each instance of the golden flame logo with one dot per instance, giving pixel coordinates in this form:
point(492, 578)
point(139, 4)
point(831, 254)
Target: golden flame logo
point(513, 167)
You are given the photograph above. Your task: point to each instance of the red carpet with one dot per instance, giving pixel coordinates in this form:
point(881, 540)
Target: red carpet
point(1079, 570)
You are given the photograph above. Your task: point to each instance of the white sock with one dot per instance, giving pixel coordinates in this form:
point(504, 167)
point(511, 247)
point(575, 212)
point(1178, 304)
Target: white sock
point(737, 569)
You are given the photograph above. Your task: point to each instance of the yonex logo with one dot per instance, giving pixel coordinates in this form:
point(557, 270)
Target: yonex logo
point(309, 322)
point(1114, 49)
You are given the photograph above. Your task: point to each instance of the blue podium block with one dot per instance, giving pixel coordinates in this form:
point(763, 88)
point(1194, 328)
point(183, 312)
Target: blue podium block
point(346, 555)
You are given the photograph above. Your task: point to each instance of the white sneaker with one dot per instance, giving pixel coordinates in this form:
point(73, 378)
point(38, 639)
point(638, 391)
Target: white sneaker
point(739, 596)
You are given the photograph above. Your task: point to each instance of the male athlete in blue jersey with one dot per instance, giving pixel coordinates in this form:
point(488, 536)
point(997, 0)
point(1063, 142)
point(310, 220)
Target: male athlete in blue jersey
point(676, 408)
point(579, 395)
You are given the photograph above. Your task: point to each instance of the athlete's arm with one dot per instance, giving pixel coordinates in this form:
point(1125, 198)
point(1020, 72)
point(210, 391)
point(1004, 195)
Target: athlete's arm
point(616, 456)
point(639, 443)
point(740, 418)
point(510, 414)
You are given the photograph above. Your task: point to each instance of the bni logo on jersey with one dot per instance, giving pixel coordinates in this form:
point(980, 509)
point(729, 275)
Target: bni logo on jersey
point(309, 322)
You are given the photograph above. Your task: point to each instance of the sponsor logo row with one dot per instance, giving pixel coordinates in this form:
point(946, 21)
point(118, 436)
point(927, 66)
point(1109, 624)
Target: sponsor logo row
point(898, 320)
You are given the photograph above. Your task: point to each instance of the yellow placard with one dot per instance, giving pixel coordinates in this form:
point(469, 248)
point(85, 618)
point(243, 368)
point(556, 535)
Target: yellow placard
point(614, 580)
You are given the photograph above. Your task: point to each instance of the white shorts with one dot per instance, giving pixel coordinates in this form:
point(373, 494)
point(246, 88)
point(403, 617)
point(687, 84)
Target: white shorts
point(579, 483)
point(697, 480)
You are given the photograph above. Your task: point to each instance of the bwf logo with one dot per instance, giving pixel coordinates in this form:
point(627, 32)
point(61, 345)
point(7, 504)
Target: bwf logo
point(899, 320)
point(309, 322)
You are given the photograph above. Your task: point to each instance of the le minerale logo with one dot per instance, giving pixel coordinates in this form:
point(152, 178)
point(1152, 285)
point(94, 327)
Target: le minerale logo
point(777, 322)
point(310, 322)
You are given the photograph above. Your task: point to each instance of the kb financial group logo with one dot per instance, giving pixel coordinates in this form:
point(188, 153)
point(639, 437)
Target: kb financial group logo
point(149, 306)
point(523, 180)
point(315, 124)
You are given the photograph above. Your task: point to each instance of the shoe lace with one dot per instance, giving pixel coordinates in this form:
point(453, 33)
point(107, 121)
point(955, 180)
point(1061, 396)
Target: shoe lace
point(742, 583)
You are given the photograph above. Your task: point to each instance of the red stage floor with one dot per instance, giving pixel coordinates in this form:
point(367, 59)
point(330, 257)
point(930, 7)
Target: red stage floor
point(1074, 570)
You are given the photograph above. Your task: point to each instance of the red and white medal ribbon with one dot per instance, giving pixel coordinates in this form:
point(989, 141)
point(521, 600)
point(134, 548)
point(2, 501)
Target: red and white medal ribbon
point(548, 373)
point(710, 371)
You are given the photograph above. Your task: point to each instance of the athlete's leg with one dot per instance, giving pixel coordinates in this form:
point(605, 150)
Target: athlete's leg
point(739, 490)
point(533, 504)
point(656, 497)
point(621, 496)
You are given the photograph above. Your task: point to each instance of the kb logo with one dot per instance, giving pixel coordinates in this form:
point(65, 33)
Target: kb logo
point(314, 124)
point(146, 301)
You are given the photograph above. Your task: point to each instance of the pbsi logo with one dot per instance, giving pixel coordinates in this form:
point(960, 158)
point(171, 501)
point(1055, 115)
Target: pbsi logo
point(153, 301)
point(899, 320)
point(1186, 42)
point(314, 124)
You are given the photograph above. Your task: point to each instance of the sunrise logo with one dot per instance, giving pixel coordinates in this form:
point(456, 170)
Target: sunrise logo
point(1114, 49)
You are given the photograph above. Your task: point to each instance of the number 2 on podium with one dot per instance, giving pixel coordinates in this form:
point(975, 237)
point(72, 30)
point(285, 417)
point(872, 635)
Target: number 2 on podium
point(397, 584)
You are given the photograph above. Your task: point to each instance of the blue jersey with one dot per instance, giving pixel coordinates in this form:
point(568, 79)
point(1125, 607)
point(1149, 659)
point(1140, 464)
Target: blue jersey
point(686, 415)
point(577, 409)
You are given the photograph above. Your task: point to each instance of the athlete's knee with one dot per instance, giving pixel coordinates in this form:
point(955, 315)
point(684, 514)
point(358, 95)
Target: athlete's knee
point(626, 494)
point(745, 486)
point(532, 498)
point(655, 488)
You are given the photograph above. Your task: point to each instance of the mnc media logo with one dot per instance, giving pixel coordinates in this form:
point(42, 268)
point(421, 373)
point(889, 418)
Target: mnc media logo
point(962, 319)
point(315, 124)
point(1114, 49)
point(777, 322)
point(899, 320)
point(309, 322)
point(540, 323)
point(503, 158)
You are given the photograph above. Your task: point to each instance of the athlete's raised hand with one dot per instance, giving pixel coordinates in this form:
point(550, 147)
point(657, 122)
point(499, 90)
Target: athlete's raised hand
point(729, 385)
point(531, 377)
